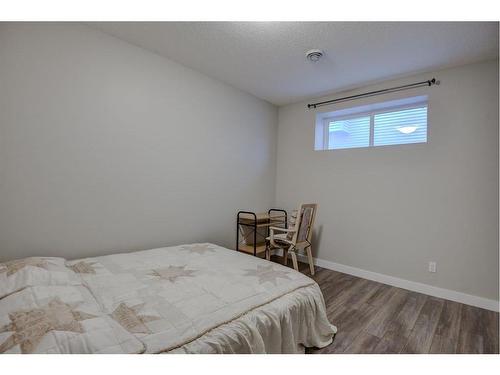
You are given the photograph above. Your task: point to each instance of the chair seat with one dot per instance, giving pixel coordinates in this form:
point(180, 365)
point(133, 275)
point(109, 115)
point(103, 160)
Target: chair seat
point(280, 239)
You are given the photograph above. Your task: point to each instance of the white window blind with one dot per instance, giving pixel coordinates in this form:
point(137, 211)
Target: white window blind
point(400, 127)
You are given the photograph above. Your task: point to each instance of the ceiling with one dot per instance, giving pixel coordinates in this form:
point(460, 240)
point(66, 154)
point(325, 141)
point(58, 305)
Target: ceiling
point(267, 59)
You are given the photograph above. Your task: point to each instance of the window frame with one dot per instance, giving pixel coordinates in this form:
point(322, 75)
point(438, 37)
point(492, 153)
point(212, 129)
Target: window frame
point(371, 113)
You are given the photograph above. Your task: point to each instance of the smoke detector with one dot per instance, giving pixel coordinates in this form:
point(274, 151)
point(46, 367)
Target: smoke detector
point(314, 55)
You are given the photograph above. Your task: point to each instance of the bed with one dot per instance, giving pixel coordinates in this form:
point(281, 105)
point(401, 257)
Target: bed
point(197, 298)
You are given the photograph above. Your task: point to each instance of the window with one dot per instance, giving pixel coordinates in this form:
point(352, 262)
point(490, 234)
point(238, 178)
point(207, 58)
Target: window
point(349, 133)
point(394, 122)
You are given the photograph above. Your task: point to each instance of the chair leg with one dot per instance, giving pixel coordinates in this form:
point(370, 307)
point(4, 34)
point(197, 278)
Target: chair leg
point(268, 253)
point(285, 256)
point(310, 258)
point(294, 260)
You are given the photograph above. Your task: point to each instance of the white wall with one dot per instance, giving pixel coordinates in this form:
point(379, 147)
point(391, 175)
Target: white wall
point(106, 147)
point(392, 209)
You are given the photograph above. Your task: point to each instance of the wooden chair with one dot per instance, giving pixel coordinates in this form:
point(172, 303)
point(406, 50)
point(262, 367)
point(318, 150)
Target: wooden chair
point(297, 237)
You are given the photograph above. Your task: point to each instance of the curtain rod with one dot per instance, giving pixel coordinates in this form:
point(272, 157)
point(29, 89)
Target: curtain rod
point(429, 83)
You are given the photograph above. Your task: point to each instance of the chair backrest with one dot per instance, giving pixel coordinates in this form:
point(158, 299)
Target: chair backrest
point(304, 223)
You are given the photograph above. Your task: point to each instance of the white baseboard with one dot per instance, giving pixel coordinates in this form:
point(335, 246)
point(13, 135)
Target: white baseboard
point(434, 291)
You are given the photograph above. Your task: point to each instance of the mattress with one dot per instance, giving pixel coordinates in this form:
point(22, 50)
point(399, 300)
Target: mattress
point(197, 298)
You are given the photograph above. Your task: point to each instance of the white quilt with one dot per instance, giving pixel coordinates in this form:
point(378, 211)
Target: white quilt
point(60, 319)
point(198, 298)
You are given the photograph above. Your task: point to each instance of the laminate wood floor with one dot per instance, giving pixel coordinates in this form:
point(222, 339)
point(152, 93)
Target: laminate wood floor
point(376, 318)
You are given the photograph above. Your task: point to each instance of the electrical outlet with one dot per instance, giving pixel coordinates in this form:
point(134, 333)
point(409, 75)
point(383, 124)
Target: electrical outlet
point(432, 267)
